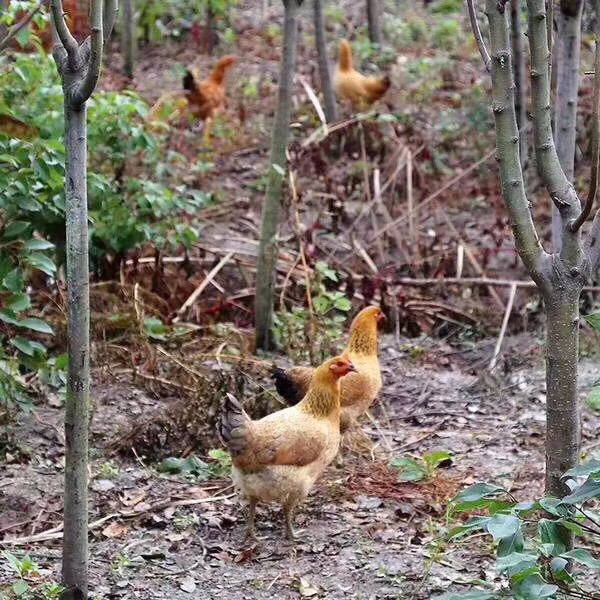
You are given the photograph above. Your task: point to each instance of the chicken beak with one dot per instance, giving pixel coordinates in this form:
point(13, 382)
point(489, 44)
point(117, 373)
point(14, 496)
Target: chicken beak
point(381, 318)
point(351, 368)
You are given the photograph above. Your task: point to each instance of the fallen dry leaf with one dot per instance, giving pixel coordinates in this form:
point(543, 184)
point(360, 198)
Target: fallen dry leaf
point(115, 529)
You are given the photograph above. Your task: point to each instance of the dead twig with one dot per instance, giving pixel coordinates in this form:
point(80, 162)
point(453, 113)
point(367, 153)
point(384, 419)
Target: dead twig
point(194, 295)
point(509, 307)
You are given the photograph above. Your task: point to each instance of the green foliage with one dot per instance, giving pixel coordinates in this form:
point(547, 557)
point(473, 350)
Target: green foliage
point(314, 335)
point(26, 571)
point(447, 34)
point(131, 195)
point(445, 7)
point(423, 468)
point(173, 18)
point(193, 467)
point(530, 547)
point(593, 400)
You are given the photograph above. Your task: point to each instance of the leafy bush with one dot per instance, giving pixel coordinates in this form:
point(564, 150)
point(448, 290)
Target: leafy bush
point(133, 194)
point(530, 547)
point(173, 18)
point(447, 34)
point(316, 335)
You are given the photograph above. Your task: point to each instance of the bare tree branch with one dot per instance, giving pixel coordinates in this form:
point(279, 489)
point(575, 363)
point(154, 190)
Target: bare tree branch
point(561, 190)
point(485, 55)
point(592, 247)
point(593, 191)
point(507, 137)
point(95, 44)
point(18, 27)
point(64, 35)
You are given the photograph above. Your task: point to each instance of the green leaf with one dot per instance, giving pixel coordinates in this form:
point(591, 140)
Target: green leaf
point(42, 262)
point(552, 536)
point(36, 325)
point(511, 544)
point(516, 562)
point(589, 489)
point(24, 345)
point(13, 281)
point(503, 526)
point(20, 588)
point(435, 458)
point(14, 229)
point(410, 469)
point(554, 506)
point(18, 302)
point(155, 328)
point(9, 316)
point(593, 400)
point(37, 244)
point(321, 305)
point(593, 320)
point(584, 469)
point(534, 588)
point(190, 465)
point(343, 304)
point(62, 361)
point(582, 556)
point(479, 491)
point(474, 524)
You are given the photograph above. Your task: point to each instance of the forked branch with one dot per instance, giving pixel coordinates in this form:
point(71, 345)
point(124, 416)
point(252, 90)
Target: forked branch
point(593, 191)
point(64, 35)
point(507, 143)
point(485, 55)
point(95, 42)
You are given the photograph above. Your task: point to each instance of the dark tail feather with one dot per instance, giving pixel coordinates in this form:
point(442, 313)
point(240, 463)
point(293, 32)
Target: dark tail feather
point(189, 82)
point(285, 386)
point(232, 427)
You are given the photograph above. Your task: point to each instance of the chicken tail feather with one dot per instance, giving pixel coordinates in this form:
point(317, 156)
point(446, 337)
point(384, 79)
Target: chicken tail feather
point(345, 56)
point(377, 87)
point(286, 387)
point(233, 425)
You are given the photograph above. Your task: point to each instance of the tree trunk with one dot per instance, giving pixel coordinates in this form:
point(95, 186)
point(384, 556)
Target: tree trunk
point(267, 255)
point(324, 70)
point(562, 401)
point(567, 52)
point(518, 52)
point(374, 18)
point(79, 68)
point(128, 37)
point(75, 544)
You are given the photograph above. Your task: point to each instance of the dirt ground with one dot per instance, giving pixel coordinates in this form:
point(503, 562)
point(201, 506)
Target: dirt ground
point(363, 534)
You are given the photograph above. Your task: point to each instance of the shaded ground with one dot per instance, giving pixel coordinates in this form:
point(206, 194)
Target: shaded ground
point(363, 534)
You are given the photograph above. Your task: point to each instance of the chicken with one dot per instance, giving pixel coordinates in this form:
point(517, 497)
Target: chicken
point(361, 91)
point(359, 389)
point(279, 457)
point(203, 99)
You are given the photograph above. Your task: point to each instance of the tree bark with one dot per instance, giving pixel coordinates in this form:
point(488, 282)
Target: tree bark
point(567, 53)
point(79, 69)
point(562, 406)
point(518, 53)
point(560, 276)
point(75, 541)
point(129, 37)
point(324, 69)
point(374, 19)
point(267, 256)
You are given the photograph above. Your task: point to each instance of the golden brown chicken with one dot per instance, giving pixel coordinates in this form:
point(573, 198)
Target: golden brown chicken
point(279, 457)
point(361, 91)
point(359, 389)
point(203, 99)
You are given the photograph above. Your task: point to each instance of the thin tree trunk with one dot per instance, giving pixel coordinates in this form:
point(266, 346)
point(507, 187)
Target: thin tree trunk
point(267, 256)
point(129, 37)
point(374, 19)
point(567, 52)
point(562, 402)
point(75, 545)
point(324, 69)
point(518, 51)
point(79, 68)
